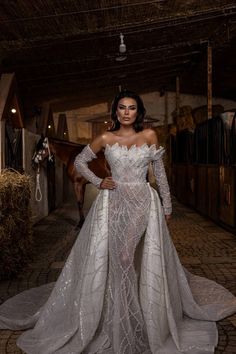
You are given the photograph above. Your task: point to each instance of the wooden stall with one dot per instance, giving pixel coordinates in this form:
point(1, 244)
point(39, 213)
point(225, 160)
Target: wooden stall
point(213, 192)
point(203, 171)
point(227, 209)
point(192, 184)
point(201, 189)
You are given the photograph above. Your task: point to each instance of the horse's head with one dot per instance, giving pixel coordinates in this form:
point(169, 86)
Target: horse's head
point(42, 152)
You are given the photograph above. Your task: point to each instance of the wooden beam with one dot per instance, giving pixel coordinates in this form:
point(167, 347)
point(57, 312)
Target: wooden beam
point(209, 82)
point(177, 96)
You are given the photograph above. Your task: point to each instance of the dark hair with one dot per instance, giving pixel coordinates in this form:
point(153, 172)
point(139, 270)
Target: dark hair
point(138, 124)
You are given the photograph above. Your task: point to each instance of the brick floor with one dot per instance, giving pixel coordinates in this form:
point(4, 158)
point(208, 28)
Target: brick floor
point(204, 248)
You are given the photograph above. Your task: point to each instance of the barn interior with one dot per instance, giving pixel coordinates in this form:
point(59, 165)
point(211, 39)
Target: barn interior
point(62, 63)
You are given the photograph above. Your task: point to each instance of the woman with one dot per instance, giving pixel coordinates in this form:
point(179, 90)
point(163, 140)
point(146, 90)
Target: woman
point(109, 298)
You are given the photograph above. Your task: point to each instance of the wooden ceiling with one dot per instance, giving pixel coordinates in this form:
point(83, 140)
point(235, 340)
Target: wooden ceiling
point(67, 51)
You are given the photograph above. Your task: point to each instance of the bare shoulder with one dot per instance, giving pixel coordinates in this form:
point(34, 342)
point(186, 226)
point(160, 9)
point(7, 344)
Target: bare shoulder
point(108, 135)
point(150, 136)
point(99, 142)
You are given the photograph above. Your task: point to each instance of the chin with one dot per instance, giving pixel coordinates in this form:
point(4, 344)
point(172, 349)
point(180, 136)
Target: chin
point(128, 122)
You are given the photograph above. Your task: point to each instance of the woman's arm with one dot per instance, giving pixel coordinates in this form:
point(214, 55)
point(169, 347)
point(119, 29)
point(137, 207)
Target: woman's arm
point(160, 175)
point(81, 165)
point(87, 155)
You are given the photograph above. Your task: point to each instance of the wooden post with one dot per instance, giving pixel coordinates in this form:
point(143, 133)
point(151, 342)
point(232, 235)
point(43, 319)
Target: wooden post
point(43, 119)
point(6, 88)
point(166, 119)
point(166, 133)
point(62, 126)
point(2, 145)
point(209, 82)
point(177, 96)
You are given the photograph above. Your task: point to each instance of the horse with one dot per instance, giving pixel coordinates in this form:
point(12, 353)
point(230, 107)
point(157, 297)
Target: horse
point(66, 152)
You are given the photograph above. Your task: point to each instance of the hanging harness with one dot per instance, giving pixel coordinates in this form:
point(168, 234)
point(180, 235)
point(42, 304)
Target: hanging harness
point(37, 159)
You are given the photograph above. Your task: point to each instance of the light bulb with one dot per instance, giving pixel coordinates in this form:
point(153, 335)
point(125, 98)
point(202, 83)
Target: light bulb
point(122, 47)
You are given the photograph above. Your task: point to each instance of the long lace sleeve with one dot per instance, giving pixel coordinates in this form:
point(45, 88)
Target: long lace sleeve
point(81, 164)
point(161, 179)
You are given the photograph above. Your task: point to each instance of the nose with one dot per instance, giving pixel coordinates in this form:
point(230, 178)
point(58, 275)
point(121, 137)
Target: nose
point(126, 110)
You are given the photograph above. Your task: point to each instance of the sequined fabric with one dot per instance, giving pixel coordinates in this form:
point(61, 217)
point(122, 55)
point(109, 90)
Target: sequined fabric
point(161, 179)
point(81, 164)
point(123, 289)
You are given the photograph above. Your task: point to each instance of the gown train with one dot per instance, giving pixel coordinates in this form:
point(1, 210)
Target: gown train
point(123, 289)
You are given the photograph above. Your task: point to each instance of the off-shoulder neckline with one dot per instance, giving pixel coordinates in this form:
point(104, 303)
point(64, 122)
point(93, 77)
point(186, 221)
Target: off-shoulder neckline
point(133, 146)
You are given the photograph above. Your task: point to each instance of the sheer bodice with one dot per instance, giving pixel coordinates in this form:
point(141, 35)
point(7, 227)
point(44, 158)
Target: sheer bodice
point(129, 165)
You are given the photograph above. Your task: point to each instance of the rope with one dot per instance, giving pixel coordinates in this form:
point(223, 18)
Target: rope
point(37, 159)
point(38, 192)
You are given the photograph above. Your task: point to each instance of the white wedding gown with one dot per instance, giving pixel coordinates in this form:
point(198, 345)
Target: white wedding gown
point(123, 289)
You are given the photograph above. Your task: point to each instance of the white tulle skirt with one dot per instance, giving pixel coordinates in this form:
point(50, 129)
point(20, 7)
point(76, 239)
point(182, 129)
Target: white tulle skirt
point(122, 290)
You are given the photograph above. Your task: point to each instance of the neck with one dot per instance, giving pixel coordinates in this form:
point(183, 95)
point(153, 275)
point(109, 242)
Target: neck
point(126, 131)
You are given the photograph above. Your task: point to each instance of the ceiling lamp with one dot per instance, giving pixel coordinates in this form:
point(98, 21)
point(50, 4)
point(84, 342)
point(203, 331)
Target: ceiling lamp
point(122, 49)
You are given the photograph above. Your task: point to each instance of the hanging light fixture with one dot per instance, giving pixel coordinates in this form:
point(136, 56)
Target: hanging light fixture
point(122, 49)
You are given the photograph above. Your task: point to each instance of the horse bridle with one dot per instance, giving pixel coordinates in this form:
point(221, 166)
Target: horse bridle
point(37, 158)
point(39, 155)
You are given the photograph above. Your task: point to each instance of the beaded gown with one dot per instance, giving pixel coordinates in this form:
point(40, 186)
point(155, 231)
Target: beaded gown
point(123, 289)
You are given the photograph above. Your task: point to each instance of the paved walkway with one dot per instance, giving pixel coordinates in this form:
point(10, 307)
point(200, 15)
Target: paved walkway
point(204, 248)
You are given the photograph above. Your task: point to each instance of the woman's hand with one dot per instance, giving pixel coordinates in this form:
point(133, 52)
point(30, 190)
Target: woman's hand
point(107, 183)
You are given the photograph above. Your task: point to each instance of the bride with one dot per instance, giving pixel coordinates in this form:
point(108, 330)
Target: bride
point(123, 289)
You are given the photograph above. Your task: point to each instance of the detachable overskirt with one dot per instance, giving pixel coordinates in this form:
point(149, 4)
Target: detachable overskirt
point(173, 310)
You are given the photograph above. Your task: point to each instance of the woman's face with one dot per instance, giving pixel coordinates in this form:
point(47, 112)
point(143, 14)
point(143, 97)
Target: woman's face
point(127, 111)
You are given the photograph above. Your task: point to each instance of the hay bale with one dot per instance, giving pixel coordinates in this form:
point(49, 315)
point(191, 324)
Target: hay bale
point(15, 222)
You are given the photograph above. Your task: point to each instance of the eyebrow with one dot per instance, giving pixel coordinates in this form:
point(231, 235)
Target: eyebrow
point(132, 105)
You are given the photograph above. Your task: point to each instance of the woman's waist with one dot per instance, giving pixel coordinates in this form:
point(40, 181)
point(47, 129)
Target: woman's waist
point(139, 189)
point(133, 182)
